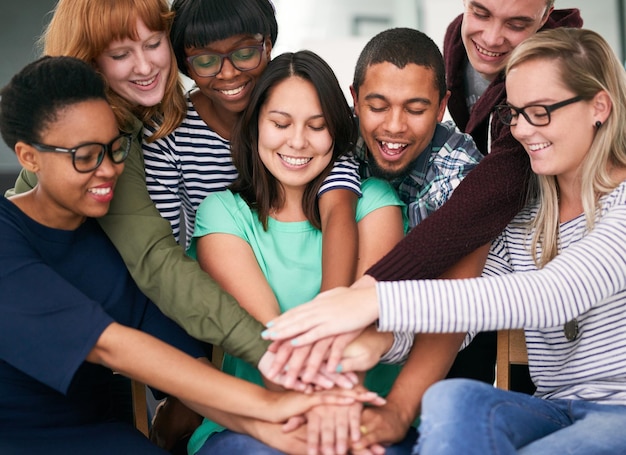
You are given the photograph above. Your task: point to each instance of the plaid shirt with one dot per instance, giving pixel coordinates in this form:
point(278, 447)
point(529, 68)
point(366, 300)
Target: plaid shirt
point(437, 172)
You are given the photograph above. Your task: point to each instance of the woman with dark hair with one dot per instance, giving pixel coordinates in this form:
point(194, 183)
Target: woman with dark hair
point(260, 239)
point(224, 46)
point(71, 315)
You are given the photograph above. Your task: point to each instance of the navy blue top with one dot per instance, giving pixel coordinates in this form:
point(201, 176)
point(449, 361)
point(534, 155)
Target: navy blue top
point(59, 290)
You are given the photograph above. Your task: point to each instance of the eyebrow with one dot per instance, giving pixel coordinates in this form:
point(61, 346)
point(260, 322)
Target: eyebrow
point(287, 114)
point(527, 19)
point(378, 96)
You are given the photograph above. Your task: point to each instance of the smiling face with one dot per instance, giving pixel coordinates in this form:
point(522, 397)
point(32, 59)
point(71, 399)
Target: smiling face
point(294, 142)
point(230, 89)
point(560, 147)
point(138, 70)
point(398, 110)
point(491, 29)
point(64, 196)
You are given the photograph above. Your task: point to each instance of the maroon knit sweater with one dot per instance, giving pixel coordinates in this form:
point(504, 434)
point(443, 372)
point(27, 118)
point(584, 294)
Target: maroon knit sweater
point(489, 197)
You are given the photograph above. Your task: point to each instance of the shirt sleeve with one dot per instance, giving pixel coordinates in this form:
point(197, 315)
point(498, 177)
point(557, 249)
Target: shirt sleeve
point(170, 278)
point(587, 272)
point(34, 319)
point(344, 175)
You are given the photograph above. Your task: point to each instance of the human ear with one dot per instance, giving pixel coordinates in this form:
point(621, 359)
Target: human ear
point(602, 106)
point(442, 106)
point(355, 100)
point(27, 156)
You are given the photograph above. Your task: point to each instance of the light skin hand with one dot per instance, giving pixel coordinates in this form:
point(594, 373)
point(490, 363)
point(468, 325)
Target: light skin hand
point(332, 312)
point(330, 429)
point(320, 380)
point(365, 351)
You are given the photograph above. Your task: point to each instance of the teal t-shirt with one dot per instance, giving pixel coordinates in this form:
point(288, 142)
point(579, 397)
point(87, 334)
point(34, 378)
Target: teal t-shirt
point(290, 256)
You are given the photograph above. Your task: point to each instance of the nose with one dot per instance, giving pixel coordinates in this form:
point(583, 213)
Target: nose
point(395, 121)
point(108, 168)
point(142, 64)
point(493, 35)
point(523, 128)
point(298, 139)
point(228, 70)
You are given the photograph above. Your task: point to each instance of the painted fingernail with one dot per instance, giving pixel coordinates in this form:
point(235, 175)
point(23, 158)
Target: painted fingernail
point(294, 342)
point(339, 368)
point(269, 324)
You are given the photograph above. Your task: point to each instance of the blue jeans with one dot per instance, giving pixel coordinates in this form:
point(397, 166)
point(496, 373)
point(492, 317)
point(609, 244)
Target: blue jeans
point(471, 417)
point(229, 442)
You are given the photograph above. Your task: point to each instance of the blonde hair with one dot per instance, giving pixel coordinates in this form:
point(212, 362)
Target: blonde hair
point(587, 65)
point(85, 28)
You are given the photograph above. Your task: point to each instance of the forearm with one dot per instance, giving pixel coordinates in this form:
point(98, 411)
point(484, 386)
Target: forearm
point(429, 361)
point(339, 238)
point(169, 277)
point(199, 385)
point(478, 210)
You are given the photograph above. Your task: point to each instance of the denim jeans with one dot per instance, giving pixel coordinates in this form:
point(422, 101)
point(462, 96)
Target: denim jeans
point(229, 442)
point(471, 417)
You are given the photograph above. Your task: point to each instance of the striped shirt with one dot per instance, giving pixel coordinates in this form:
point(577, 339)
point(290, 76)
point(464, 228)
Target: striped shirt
point(194, 161)
point(587, 281)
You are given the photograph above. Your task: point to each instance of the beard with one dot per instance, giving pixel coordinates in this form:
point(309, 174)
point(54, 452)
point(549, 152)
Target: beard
point(387, 174)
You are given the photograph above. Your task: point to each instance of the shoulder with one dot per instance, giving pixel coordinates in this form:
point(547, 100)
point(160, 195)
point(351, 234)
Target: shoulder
point(447, 135)
point(377, 193)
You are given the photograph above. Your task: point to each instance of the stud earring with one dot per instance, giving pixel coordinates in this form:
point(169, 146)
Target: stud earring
point(598, 124)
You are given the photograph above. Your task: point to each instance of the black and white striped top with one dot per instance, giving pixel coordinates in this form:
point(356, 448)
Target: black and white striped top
point(587, 281)
point(193, 161)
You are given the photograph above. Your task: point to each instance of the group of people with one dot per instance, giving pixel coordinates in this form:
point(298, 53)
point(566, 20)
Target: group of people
point(242, 199)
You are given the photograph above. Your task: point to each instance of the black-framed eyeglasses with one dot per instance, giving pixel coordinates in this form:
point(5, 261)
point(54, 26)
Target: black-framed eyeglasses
point(535, 114)
point(88, 156)
point(210, 64)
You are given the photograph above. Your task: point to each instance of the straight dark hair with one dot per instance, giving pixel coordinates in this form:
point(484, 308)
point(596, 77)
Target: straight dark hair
point(255, 183)
point(197, 23)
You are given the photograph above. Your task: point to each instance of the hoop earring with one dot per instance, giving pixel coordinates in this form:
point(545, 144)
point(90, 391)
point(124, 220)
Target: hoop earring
point(598, 124)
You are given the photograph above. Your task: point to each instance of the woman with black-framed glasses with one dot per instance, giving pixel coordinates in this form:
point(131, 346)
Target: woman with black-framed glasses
point(558, 271)
point(71, 316)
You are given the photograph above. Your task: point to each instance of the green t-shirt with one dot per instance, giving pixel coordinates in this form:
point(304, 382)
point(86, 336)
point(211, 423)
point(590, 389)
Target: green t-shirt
point(290, 256)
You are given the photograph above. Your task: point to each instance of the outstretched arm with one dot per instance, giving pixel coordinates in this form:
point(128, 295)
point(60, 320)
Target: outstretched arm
point(478, 210)
point(163, 271)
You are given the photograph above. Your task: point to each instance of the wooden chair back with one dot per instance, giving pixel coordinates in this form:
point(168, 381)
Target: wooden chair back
point(511, 351)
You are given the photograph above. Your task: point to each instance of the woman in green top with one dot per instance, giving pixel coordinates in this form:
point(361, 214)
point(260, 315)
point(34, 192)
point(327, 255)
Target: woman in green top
point(265, 230)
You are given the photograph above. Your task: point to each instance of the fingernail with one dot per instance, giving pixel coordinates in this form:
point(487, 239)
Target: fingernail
point(269, 324)
point(294, 342)
point(339, 368)
point(265, 333)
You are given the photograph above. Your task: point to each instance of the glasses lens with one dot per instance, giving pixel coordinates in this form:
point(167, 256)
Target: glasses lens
point(246, 58)
point(537, 115)
point(206, 64)
point(88, 157)
point(120, 148)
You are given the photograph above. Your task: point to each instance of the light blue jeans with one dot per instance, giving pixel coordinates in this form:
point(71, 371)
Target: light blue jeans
point(471, 417)
point(229, 442)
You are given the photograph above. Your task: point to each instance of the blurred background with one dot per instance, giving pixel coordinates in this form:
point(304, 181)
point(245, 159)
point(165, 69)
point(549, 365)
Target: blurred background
point(335, 29)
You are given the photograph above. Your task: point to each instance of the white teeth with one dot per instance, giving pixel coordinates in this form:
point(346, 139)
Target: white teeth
point(535, 147)
point(393, 145)
point(488, 53)
point(100, 191)
point(233, 92)
point(293, 161)
point(145, 83)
